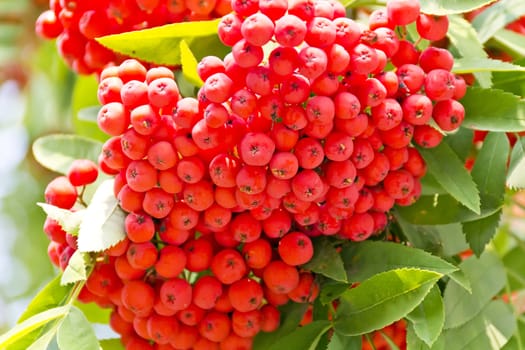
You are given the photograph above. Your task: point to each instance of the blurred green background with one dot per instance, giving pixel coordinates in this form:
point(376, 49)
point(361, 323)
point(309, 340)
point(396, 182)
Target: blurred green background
point(36, 97)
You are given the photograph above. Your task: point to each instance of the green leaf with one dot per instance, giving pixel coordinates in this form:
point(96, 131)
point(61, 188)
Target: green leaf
point(32, 323)
point(76, 269)
point(480, 64)
point(160, 45)
point(447, 7)
point(52, 295)
point(441, 209)
point(57, 152)
point(461, 142)
point(326, 261)
point(515, 177)
point(515, 267)
point(496, 17)
point(189, 64)
point(331, 290)
point(440, 240)
point(111, 344)
point(343, 342)
point(94, 313)
point(512, 82)
point(382, 299)
point(500, 323)
point(415, 343)
point(449, 171)
point(489, 173)
point(67, 219)
point(303, 338)
point(511, 41)
point(103, 223)
point(365, 259)
point(428, 317)
point(291, 315)
point(487, 278)
point(493, 110)
point(480, 232)
point(430, 186)
point(44, 341)
point(489, 330)
point(465, 39)
point(89, 114)
point(489, 170)
point(76, 332)
point(517, 341)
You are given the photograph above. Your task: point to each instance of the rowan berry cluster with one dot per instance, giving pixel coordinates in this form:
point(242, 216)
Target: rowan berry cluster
point(76, 23)
point(223, 192)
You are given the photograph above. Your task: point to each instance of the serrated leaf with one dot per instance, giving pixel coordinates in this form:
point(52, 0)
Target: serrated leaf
point(496, 17)
point(487, 278)
point(465, 39)
point(34, 322)
point(52, 295)
point(447, 7)
point(67, 219)
point(480, 232)
point(480, 64)
point(291, 315)
point(160, 45)
point(428, 317)
point(111, 344)
point(89, 114)
point(343, 342)
point(103, 223)
point(76, 332)
point(493, 110)
point(515, 177)
point(365, 259)
point(449, 171)
point(57, 152)
point(326, 261)
point(303, 338)
point(189, 64)
point(511, 41)
point(382, 299)
point(75, 270)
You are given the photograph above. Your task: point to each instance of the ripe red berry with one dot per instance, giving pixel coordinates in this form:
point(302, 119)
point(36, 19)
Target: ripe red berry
point(61, 192)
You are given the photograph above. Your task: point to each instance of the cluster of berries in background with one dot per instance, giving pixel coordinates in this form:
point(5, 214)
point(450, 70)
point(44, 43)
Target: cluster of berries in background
point(76, 23)
point(308, 128)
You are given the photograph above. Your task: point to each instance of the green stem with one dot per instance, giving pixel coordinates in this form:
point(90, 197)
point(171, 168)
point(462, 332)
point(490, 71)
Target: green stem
point(370, 341)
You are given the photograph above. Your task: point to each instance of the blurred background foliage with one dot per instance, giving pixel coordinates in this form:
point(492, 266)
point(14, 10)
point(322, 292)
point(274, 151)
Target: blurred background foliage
point(39, 95)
